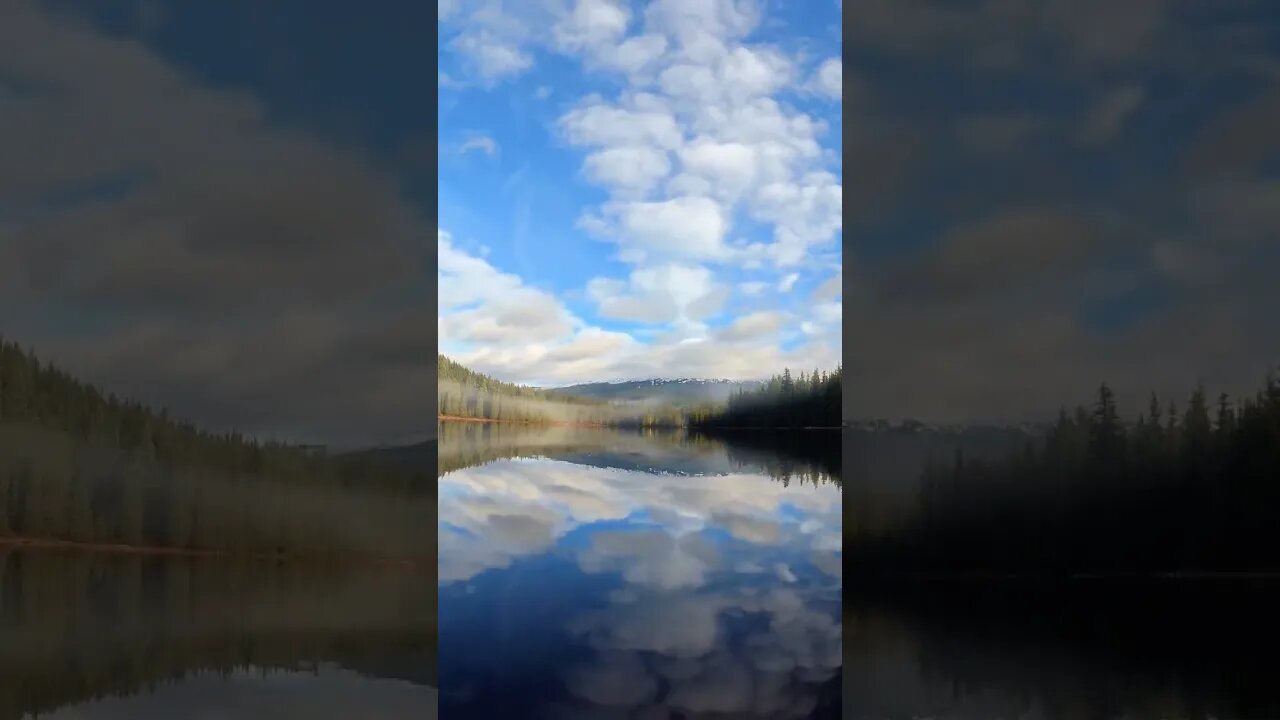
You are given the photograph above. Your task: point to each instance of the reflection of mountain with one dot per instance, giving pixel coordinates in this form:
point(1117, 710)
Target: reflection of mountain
point(808, 456)
point(1100, 649)
point(75, 627)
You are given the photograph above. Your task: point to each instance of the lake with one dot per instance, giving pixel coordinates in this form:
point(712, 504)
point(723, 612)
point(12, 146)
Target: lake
point(1189, 647)
point(587, 573)
point(1104, 649)
point(92, 636)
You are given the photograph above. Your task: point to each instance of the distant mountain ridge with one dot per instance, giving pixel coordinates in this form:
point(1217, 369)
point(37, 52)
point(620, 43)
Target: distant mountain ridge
point(679, 391)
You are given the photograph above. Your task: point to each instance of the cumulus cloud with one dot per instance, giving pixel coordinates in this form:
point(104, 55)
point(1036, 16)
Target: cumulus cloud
point(828, 79)
point(706, 169)
point(494, 57)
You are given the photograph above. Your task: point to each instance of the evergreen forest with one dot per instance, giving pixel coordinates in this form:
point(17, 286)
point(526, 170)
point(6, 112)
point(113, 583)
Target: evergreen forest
point(1191, 490)
point(83, 466)
point(784, 401)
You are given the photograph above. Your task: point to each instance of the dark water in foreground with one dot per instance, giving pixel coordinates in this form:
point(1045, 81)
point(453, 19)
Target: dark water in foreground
point(1096, 648)
point(96, 637)
point(1104, 649)
point(586, 574)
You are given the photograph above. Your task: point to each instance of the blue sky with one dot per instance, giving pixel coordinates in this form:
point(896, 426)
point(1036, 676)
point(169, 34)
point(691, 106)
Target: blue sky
point(634, 190)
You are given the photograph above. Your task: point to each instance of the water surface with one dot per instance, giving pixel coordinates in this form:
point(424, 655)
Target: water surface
point(93, 636)
point(1038, 647)
point(592, 574)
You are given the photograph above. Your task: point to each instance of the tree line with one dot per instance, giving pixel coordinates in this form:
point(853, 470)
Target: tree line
point(80, 465)
point(1190, 490)
point(784, 401)
point(465, 393)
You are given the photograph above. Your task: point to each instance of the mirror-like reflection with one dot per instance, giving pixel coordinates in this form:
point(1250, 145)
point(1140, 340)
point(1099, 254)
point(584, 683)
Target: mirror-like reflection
point(101, 635)
point(1036, 646)
point(1177, 649)
point(587, 573)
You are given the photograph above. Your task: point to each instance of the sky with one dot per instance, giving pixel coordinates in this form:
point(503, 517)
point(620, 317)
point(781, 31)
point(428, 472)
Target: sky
point(1048, 195)
point(633, 190)
point(223, 208)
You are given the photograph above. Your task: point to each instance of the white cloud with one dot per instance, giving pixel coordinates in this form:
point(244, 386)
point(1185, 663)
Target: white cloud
point(804, 213)
point(788, 282)
point(591, 23)
point(699, 156)
point(482, 143)
point(830, 289)
point(647, 122)
point(494, 57)
point(697, 23)
point(829, 78)
point(763, 324)
point(480, 304)
point(633, 55)
point(728, 169)
point(690, 227)
point(629, 170)
point(660, 294)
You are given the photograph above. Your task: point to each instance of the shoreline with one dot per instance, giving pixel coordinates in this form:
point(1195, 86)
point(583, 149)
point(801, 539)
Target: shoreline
point(565, 423)
point(542, 423)
point(13, 543)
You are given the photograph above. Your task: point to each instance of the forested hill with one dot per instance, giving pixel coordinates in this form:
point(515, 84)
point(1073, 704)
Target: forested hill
point(80, 465)
point(783, 401)
point(464, 393)
point(452, 372)
point(1196, 490)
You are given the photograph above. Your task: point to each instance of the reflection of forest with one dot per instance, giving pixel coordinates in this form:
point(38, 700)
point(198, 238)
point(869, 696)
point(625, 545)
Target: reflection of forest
point(75, 627)
point(803, 456)
point(1089, 649)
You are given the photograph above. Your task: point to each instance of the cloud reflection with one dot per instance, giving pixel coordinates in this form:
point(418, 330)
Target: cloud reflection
point(731, 584)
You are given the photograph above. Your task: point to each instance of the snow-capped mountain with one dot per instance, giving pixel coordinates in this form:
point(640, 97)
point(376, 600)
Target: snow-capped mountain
point(680, 391)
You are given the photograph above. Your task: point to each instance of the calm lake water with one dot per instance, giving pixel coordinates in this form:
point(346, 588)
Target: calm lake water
point(1188, 648)
point(594, 574)
point(1093, 650)
point(97, 636)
